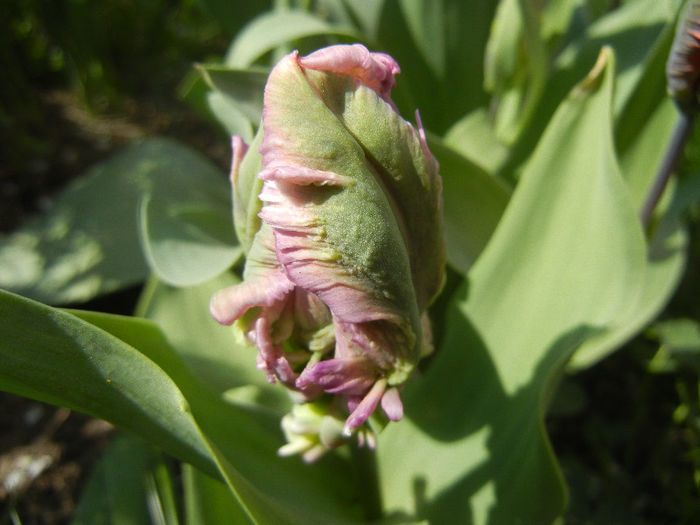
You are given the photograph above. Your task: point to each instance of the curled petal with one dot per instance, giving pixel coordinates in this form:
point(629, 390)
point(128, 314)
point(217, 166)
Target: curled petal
point(391, 404)
point(239, 148)
point(303, 176)
point(231, 303)
point(365, 408)
point(374, 70)
point(339, 375)
point(272, 359)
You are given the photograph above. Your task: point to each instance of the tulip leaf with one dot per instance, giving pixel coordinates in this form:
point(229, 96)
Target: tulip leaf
point(244, 439)
point(368, 15)
point(666, 260)
point(275, 28)
point(209, 501)
point(473, 203)
point(91, 364)
point(273, 490)
point(185, 225)
point(187, 243)
point(474, 137)
point(54, 356)
point(229, 115)
point(115, 491)
point(562, 266)
point(632, 31)
point(87, 244)
point(244, 87)
point(646, 90)
point(440, 46)
point(643, 130)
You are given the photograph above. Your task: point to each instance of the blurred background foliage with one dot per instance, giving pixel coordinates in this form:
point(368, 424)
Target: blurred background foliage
point(81, 78)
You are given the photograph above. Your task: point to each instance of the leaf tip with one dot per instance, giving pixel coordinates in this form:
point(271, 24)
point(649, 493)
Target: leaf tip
point(594, 77)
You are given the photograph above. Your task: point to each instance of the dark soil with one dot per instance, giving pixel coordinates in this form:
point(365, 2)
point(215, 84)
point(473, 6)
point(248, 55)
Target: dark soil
point(46, 454)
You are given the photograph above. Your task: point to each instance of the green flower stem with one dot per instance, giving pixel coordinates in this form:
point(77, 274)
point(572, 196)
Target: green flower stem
point(674, 151)
point(367, 478)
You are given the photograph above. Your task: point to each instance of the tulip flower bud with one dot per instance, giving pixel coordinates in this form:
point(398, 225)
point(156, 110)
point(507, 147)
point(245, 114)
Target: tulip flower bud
point(349, 252)
point(683, 65)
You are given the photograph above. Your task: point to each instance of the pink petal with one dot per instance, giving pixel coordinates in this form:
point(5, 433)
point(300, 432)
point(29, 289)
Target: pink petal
point(365, 408)
point(391, 404)
point(239, 150)
point(303, 176)
point(231, 303)
point(374, 70)
point(353, 377)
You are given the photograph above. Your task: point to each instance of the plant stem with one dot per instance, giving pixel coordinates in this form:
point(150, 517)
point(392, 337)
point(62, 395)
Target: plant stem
point(674, 151)
point(367, 478)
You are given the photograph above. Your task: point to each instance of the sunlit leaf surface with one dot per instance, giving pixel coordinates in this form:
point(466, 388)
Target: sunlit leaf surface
point(562, 266)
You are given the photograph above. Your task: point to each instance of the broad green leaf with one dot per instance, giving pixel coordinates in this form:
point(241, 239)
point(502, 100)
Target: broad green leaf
point(426, 23)
point(244, 87)
point(130, 484)
point(115, 492)
point(680, 335)
point(273, 490)
point(501, 60)
point(187, 238)
point(558, 17)
point(680, 345)
point(185, 224)
point(564, 262)
point(666, 261)
point(644, 95)
point(368, 15)
point(87, 243)
point(667, 250)
point(473, 203)
point(642, 158)
point(208, 501)
point(439, 45)
point(642, 133)
point(277, 27)
point(54, 356)
point(225, 111)
point(473, 137)
point(160, 492)
point(515, 66)
point(244, 441)
point(631, 30)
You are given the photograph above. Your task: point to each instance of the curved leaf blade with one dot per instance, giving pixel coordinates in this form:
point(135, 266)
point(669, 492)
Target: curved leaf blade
point(473, 202)
point(274, 28)
point(187, 243)
point(87, 244)
point(244, 87)
point(208, 501)
point(564, 262)
point(54, 356)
